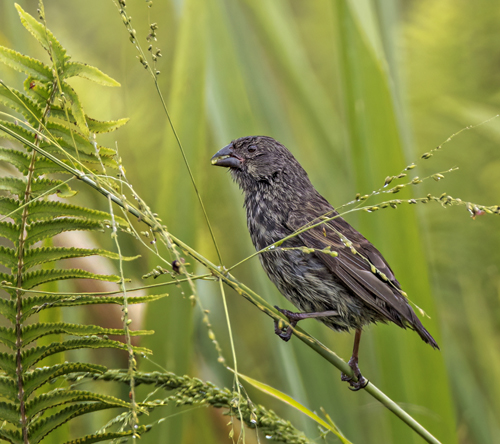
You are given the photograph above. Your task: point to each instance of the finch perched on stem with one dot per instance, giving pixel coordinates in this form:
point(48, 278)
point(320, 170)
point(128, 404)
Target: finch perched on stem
point(330, 271)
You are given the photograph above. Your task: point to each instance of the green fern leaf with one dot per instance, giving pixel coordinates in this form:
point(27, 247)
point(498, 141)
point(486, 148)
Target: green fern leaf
point(32, 332)
point(9, 280)
point(33, 355)
point(8, 364)
point(17, 186)
point(37, 256)
point(105, 126)
point(88, 72)
point(34, 278)
point(76, 107)
point(22, 160)
point(42, 427)
point(61, 396)
point(43, 230)
point(8, 258)
point(12, 436)
point(67, 152)
point(56, 52)
point(28, 65)
point(8, 337)
point(39, 91)
point(9, 231)
point(34, 304)
point(13, 185)
point(99, 437)
point(22, 104)
point(41, 210)
point(19, 130)
point(8, 309)
point(9, 388)
point(48, 187)
point(40, 376)
point(9, 412)
point(58, 115)
point(11, 208)
point(71, 139)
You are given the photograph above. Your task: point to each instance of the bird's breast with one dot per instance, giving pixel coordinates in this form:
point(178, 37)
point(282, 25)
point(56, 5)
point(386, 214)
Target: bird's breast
point(266, 221)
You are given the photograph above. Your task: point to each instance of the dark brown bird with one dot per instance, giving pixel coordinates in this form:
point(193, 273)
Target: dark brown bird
point(329, 272)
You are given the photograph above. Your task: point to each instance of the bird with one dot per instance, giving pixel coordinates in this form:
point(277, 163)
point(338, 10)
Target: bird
point(317, 260)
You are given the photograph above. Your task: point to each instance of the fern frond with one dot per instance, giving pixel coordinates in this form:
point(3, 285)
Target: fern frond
point(33, 278)
point(64, 396)
point(8, 337)
point(10, 207)
point(22, 160)
point(39, 91)
point(21, 103)
point(40, 376)
point(36, 256)
point(34, 304)
point(34, 331)
point(58, 116)
point(33, 355)
point(76, 107)
point(42, 427)
point(12, 436)
point(100, 437)
point(8, 388)
point(8, 309)
point(9, 231)
point(41, 210)
point(17, 186)
point(8, 279)
point(63, 132)
point(17, 129)
point(70, 138)
point(14, 185)
point(76, 69)
point(8, 364)
point(43, 230)
point(38, 303)
point(56, 52)
point(68, 152)
point(28, 65)
point(9, 412)
point(49, 187)
point(8, 258)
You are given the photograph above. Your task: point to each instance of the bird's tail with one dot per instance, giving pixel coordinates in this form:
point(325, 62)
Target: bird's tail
point(423, 333)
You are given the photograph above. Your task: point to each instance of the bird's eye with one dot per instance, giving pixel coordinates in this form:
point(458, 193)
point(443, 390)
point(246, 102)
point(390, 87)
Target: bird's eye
point(252, 149)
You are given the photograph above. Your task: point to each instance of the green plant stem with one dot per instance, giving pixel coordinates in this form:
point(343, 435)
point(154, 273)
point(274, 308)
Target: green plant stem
point(240, 288)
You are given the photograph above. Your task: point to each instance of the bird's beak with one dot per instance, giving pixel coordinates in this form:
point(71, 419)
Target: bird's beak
point(227, 158)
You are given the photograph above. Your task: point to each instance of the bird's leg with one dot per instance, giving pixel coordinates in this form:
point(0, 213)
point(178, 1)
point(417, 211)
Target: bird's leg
point(353, 363)
point(293, 318)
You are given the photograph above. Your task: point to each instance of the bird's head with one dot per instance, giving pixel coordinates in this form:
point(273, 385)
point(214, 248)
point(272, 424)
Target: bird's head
point(257, 159)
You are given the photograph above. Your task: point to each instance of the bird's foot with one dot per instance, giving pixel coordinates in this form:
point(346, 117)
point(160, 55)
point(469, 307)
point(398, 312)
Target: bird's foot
point(361, 382)
point(286, 334)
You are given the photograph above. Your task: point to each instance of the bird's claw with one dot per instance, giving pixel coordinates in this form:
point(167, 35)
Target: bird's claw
point(361, 382)
point(285, 334)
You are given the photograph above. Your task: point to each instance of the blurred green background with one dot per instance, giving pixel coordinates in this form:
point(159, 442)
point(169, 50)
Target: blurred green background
point(356, 90)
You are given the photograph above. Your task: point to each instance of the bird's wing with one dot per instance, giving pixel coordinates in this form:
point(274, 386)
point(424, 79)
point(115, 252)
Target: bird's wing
point(359, 265)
